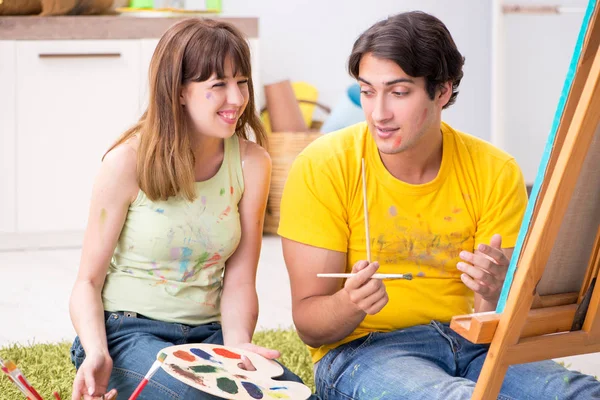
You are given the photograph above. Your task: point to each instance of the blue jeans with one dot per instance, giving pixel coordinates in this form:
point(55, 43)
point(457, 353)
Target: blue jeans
point(133, 344)
point(433, 362)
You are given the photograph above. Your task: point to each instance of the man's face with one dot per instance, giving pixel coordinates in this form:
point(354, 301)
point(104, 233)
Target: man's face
point(397, 107)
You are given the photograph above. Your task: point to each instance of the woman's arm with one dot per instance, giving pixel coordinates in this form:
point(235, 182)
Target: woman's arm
point(239, 302)
point(114, 189)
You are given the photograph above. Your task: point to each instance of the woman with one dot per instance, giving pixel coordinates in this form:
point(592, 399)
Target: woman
point(175, 225)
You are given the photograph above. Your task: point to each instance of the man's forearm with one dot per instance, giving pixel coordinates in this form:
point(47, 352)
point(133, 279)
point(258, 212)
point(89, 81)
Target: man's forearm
point(327, 319)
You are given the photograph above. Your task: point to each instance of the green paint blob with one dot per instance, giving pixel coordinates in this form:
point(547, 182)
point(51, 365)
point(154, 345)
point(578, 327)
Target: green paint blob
point(204, 369)
point(227, 385)
point(222, 192)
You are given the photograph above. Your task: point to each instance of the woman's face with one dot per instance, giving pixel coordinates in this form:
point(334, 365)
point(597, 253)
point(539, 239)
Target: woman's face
point(214, 106)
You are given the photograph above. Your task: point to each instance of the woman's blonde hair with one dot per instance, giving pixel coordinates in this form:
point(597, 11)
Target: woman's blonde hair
point(191, 50)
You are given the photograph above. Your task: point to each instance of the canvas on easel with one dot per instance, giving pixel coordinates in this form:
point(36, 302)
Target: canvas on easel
point(549, 303)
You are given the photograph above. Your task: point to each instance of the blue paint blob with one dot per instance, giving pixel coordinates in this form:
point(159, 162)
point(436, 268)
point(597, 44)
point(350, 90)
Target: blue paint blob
point(253, 390)
point(204, 355)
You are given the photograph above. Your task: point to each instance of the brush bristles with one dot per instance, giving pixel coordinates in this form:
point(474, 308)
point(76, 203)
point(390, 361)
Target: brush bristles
point(408, 277)
point(10, 366)
point(161, 357)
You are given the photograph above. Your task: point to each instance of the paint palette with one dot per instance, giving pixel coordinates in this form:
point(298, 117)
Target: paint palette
point(214, 369)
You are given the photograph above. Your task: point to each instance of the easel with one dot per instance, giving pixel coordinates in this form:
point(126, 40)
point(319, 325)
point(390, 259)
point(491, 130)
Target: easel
point(551, 309)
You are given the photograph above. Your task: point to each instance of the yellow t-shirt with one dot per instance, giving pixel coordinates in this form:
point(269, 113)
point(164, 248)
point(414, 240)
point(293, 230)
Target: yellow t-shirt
point(421, 229)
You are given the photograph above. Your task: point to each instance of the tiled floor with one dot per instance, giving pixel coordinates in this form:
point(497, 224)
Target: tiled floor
point(35, 288)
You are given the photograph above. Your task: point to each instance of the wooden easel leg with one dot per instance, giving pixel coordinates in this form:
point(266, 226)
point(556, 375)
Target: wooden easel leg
point(490, 380)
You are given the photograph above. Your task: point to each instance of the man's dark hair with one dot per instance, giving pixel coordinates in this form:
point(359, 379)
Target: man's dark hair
point(419, 43)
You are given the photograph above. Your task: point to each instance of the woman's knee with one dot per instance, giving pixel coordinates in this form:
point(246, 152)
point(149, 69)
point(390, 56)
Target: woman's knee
point(161, 386)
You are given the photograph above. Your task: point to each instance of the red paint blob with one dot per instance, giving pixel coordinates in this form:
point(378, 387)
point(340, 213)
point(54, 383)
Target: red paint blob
point(226, 353)
point(184, 355)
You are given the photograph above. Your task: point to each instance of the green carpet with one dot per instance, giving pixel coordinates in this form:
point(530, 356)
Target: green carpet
point(48, 366)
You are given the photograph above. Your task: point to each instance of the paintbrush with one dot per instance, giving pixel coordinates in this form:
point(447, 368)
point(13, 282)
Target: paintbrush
point(17, 383)
point(366, 210)
point(17, 375)
point(374, 276)
point(155, 366)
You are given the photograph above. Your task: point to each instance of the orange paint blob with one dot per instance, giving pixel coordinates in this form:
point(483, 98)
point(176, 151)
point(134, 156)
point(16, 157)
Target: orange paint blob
point(226, 353)
point(184, 355)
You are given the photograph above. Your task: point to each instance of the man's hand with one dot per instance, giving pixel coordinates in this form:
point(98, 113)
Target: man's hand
point(369, 295)
point(485, 270)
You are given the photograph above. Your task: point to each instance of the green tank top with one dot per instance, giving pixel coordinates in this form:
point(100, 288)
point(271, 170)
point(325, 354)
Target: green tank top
point(170, 258)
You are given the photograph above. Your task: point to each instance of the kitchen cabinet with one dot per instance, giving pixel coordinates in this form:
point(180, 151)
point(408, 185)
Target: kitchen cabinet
point(73, 99)
point(8, 116)
point(63, 102)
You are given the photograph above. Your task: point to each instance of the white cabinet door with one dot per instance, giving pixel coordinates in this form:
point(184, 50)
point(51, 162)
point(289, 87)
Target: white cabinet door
point(74, 99)
point(8, 171)
point(148, 46)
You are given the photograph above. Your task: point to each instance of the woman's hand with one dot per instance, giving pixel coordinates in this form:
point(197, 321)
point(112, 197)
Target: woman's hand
point(92, 378)
point(266, 353)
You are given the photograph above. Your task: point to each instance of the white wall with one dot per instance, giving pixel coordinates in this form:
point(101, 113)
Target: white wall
point(537, 51)
point(311, 41)
point(303, 41)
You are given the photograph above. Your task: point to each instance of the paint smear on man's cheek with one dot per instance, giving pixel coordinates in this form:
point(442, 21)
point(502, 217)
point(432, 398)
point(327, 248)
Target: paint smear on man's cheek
point(398, 141)
point(208, 96)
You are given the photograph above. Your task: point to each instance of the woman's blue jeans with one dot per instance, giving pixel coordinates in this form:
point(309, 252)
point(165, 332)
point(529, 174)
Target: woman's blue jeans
point(133, 344)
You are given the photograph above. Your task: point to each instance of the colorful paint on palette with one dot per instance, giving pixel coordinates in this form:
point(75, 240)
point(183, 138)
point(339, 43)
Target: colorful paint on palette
point(227, 385)
point(204, 355)
point(205, 369)
point(278, 395)
point(216, 370)
point(184, 355)
point(227, 354)
point(186, 374)
point(253, 390)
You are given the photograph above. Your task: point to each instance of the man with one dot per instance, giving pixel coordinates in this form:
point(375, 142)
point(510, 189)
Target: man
point(442, 205)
